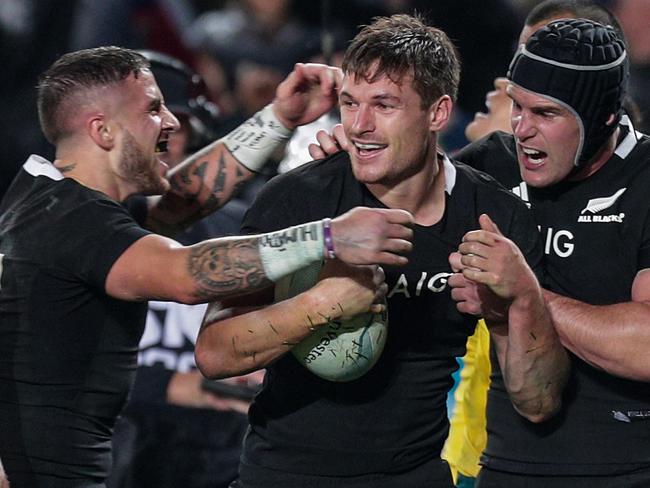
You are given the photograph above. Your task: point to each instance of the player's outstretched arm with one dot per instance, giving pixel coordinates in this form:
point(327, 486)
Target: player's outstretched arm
point(534, 364)
point(158, 268)
point(232, 343)
point(209, 178)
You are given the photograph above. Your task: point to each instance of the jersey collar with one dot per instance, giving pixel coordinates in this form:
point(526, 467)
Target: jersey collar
point(450, 173)
point(38, 166)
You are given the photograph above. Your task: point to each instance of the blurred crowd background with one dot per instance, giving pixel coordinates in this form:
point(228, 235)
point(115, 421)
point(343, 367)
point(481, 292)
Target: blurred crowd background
point(217, 63)
point(243, 48)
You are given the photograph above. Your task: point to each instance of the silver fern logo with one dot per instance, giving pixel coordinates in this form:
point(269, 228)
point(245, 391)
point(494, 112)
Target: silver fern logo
point(596, 205)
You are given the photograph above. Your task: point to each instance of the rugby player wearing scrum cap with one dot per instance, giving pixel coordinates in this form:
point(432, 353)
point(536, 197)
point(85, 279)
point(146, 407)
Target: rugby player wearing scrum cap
point(577, 160)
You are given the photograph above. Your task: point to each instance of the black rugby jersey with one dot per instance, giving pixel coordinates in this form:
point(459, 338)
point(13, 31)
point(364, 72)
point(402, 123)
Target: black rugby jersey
point(393, 418)
point(596, 235)
point(67, 350)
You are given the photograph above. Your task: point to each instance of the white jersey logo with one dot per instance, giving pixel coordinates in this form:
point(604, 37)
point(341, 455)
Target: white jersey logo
point(522, 192)
point(596, 205)
point(599, 204)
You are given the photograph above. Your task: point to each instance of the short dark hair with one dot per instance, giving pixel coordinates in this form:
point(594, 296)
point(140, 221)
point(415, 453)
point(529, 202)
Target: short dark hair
point(75, 73)
point(403, 44)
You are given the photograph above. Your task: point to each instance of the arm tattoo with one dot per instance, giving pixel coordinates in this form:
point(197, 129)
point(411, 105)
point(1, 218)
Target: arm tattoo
point(225, 267)
point(183, 181)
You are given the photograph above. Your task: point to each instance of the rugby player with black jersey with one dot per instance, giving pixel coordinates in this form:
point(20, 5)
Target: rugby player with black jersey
point(76, 269)
point(386, 428)
point(584, 170)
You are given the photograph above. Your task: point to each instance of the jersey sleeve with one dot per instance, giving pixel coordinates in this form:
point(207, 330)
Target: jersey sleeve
point(98, 233)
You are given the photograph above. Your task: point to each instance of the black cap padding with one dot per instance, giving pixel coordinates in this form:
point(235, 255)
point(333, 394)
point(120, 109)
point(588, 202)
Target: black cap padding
point(580, 64)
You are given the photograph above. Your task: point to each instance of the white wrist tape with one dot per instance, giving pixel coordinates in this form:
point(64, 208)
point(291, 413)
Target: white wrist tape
point(286, 251)
point(253, 142)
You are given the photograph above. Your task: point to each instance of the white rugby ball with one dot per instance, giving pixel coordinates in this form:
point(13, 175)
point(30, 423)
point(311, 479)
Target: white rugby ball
point(343, 350)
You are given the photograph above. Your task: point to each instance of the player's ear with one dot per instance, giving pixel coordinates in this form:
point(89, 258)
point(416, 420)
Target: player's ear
point(440, 112)
point(100, 131)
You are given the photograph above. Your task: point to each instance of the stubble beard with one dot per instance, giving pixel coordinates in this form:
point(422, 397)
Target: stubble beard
point(140, 171)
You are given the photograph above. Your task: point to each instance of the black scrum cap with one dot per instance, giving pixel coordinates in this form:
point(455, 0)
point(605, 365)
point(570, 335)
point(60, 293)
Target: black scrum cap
point(581, 65)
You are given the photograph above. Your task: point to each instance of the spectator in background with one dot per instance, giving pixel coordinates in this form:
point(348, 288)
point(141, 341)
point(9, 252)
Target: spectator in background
point(634, 16)
point(32, 34)
point(468, 23)
point(245, 49)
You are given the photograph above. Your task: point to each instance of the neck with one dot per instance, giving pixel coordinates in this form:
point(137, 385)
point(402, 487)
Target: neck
point(89, 174)
point(600, 158)
point(422, 194)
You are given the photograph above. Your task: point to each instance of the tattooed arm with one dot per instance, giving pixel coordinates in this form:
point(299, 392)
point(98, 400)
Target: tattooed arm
point(200, 185)
point(238, 337)
point(209, 178)
point(159, 268)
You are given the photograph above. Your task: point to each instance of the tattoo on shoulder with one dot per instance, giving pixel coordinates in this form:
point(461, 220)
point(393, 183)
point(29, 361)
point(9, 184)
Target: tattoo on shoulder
point(224, 267)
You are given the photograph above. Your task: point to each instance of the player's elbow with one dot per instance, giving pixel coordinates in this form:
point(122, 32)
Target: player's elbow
point(211, 363)
point(539, 411)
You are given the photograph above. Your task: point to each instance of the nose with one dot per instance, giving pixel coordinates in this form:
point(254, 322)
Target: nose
point(522, 125)
point(169, 121)
point(364, 120)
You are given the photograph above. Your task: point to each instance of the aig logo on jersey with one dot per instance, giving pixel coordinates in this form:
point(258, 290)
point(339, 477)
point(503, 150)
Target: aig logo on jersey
point(592, 212)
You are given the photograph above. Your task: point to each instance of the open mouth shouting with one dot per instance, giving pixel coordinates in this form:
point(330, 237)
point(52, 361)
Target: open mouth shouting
point(161, 146)
point(532, 158)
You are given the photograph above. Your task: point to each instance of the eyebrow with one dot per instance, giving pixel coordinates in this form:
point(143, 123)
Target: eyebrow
point(155, 104)
point(378, 97)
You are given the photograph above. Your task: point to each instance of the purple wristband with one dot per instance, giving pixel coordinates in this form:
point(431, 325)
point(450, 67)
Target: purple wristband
point(327, 237)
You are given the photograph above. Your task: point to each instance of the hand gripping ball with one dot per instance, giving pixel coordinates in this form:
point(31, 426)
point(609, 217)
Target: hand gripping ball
point(342, 350)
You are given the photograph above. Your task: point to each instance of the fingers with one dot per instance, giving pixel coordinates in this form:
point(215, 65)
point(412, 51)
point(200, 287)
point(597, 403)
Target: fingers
point(397, 216)
point(477, 275)
point(378, 307)
point(316, 151)
point(367, 236)
point(488, 224)
point(378, 276)
point(455, 262)
point(339, 134)
point(328, 77)
point(389, 259)
point(328, 144)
